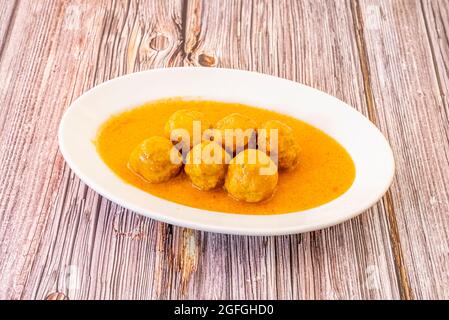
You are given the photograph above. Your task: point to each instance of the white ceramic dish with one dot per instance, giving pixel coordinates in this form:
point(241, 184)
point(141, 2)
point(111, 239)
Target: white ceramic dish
point(368, 148)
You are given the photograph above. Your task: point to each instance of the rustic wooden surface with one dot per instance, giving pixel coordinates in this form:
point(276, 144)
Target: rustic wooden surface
point(59, 239)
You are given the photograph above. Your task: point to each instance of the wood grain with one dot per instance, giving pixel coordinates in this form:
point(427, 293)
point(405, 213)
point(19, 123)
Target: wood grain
point(61, 240)
point(263, 37)
point(53, 231)
point(7, 16)
point(436, 20)
point(401, 272)
point(409, 93)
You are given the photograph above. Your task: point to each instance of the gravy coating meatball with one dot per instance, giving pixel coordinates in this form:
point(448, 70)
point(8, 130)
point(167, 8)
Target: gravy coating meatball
point(252, 176)
point(206, 165)
point(155, 160)
point(179, 126)
point(231, 137)
point(287, 149)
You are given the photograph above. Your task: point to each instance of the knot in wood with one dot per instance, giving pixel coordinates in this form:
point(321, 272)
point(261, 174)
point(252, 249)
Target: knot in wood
point(159, 42)
point(56, 296)
point(206, 60)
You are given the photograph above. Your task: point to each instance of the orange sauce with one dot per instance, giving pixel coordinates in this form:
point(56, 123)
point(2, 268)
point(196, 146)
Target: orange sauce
point(325, 169)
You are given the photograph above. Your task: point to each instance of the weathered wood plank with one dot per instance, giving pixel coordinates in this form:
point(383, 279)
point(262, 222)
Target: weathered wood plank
point(19, 158)
point(56, 234)
point(353, 260)
point(436, 18)
point(401, 272)
point(409, 86)
point(7, 16)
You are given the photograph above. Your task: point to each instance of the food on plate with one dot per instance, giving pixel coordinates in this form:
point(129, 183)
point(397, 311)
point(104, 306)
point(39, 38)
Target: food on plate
point(280, 143)
point(312, 167)
point(155, 160)
point(236, 131)
point(206, 165)
point(252, 176)
point(181, 125)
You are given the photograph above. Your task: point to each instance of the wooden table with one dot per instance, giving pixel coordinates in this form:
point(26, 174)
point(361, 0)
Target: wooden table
point(389, 59)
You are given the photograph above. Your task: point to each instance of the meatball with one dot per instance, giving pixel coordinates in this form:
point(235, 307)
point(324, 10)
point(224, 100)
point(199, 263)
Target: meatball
point(180, 127)
point(252, 176)
point(233, 139)
point(206, 165)
point(288, 150)
point(155, 160)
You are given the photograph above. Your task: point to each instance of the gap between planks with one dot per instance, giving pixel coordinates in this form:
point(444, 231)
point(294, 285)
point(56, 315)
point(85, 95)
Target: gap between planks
point(10, 22)
point(400, 268)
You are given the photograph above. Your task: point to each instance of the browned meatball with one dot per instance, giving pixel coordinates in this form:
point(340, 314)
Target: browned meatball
point(236, 131)
point(180, 125)
point(155, 160)
point(287, 151)
point(252, 176)
point(206, 165)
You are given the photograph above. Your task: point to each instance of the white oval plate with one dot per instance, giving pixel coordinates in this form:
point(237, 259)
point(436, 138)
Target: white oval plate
point(368, 148)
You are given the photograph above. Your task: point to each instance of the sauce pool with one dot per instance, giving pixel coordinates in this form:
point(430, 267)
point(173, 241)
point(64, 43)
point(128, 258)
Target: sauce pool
point(325, 169)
